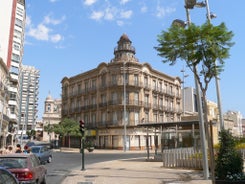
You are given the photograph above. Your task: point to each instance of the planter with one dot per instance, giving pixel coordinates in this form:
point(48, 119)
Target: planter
point(90, 149)
point(229, 182)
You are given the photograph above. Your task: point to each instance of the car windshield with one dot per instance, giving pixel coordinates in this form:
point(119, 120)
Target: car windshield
point(35, 149)
point(10, 163)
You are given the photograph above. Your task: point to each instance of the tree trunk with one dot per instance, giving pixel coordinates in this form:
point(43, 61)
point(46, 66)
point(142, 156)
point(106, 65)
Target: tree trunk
point(209, 138)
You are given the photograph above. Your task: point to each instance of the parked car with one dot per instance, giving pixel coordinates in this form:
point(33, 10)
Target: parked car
point(6, 177)
point(43, 153)
point(25, 167)
point(39, 143)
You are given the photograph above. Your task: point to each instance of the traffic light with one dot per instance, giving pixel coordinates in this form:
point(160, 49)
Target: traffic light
point(82, 127)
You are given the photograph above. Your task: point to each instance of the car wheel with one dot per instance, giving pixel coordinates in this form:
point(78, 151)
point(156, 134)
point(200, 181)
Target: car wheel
point(49, 159)
point(44, 179)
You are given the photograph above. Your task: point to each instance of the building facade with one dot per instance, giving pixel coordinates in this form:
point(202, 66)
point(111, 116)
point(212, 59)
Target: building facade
point(12, 21)
point(233, 122)
point(28, 89)
point(4, 96)
point(51, 116)
point(115, 97)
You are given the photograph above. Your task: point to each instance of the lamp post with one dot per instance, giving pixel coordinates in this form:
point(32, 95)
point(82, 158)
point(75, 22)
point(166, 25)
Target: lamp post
point(183, 81)
point(124, 108)
point(189, 4)
point(210, 16)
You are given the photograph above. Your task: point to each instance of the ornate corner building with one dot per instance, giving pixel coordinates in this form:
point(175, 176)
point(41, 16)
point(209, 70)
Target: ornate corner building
point(114, 98)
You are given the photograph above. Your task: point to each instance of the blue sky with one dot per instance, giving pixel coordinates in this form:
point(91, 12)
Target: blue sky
point(65, 38)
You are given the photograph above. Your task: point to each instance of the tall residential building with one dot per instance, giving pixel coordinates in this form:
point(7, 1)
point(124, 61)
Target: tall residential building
point(121, 91)
point(51, 116)
point(12, 21)
point(190, 100)
point(29, 89)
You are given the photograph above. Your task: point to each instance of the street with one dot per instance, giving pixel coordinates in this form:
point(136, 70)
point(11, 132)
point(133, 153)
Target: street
point(64, 162)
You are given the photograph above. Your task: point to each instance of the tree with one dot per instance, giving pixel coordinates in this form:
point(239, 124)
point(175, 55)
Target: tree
point(67, 127)
point(229, 162)
point(31, 133)
point(203, 48)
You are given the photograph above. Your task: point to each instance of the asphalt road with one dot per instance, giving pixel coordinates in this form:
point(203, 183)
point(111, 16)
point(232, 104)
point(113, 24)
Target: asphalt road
point(64, 162)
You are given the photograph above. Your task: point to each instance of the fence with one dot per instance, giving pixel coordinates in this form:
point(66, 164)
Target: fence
point(185, 158)
point(182, 157)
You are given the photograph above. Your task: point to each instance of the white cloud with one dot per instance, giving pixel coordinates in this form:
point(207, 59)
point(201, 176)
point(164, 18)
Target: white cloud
point(41, 32)
point(89, 2)
point(49, 20)
point(162, 11)
point(120, 23)
point(120, 10)
point(110, 13)
point(97, 15)
point(28, 21)
point(124, 1)
point(126, 14)
point(55, 38)
point(144, 9)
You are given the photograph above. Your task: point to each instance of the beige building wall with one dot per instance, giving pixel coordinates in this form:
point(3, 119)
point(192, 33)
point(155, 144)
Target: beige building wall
point(4, 112)
point(97, 98)
point(51, 116)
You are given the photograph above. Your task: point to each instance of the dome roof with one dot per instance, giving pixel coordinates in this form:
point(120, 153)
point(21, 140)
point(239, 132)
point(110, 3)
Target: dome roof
point(124, 38)
point(49, 97)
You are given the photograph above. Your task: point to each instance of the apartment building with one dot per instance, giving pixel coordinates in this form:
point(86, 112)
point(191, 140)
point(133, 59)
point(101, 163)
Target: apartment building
point(28, 90)
point(12, 21)
point(115, 97)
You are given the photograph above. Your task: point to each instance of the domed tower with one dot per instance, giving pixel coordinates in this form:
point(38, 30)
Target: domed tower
point(124, 50)
point(48, 103)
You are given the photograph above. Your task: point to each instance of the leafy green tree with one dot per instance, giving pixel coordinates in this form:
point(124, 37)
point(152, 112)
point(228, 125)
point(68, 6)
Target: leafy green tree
point(205, 46)
point(204, 49)
point(49, 128)
point(67, 127)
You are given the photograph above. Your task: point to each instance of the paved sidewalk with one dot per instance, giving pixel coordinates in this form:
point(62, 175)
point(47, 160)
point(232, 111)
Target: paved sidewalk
point(133, 171)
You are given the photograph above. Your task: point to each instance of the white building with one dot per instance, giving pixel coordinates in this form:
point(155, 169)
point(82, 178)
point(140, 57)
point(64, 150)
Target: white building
point(29, 89)
point(235, 118)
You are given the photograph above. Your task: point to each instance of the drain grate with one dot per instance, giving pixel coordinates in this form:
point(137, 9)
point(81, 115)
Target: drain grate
point(90, 176)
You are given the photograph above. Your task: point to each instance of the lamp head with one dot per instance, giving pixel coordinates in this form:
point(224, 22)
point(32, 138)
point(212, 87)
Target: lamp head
point(179, 23)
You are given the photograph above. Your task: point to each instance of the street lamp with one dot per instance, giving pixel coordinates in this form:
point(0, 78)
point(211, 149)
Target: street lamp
point(200, 113)
point(210, 16)
point(189, 4)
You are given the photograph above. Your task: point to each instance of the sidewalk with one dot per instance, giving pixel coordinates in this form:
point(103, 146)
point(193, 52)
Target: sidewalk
point(133, 171)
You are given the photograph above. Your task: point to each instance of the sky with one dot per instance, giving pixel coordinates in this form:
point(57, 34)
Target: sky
point(65, 38)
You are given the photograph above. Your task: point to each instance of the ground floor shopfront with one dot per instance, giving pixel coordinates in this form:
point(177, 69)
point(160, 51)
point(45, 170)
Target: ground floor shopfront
point(145, 136)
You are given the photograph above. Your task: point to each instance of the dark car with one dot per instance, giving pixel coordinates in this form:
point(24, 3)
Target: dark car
point(25, 167)
point(43, 153)
point(7, 177)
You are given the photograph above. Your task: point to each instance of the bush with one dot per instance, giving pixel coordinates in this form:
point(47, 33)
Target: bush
point(229, 162)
